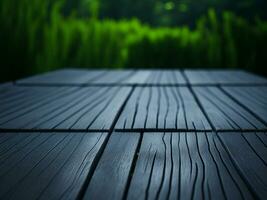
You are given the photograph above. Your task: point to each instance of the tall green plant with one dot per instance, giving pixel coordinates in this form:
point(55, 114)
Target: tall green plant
point(36, 36)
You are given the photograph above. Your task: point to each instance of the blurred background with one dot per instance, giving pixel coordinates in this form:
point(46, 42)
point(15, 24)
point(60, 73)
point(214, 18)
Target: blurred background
point(43, 35)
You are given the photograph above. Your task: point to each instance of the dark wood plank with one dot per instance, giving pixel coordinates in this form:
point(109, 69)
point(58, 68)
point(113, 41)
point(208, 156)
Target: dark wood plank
point(166, 77)
point(249, 154)
point(71, 77)
point(139, 77)
point(77, 77)
point(252, 98)
point(20, 100)
point(3, 86)
point(47, 165)
point(114, 77)
point(223, 77)
point(186, 166)
point(224, 113)
point(10, 90)
point(161, 108)
point(63, 77)
point(137, 164)
point(74, 108)
point(113, 170)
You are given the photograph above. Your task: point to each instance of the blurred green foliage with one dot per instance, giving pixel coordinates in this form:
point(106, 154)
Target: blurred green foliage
point(37, 36)
point(177, 12)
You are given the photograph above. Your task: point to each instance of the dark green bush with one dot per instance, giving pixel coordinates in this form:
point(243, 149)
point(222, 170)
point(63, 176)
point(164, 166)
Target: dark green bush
point(226, 43)
point(36, 37)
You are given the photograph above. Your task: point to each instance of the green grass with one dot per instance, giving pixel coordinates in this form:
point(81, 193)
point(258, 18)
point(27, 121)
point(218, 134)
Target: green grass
point(36, 37)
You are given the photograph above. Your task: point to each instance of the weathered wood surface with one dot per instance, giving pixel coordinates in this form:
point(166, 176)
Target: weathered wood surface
point(224, 113)
point(223, 77)
point(63, 77)
point(64, 108)
point(113, 170)
point(252, 98)
point(199, 166)
point(135, 134)
point(162, 108)
point(46, 165)
point(71, 77)
point(177, 165)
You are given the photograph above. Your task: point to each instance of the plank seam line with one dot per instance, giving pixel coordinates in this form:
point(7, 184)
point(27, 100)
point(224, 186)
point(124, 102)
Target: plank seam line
point(238, 170)
point(185, 77)
point(52, 130)
point(132, 168)
point(100, 84)
point(189, 130)
point(101, 150)
point(87, 180)
point(129, 130)
point(125, 130)
point(136, 84)
point(242, 105)
point(198, 102)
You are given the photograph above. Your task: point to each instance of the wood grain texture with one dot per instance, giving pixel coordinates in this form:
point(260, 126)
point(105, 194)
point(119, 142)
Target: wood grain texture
point(252, 98)
point(82, 77)
point(223, 77)
point(72, 77)
point(113, 170)
point(166, 77)
point(46, 165)
point(205, 140)
point(162, 108)
point(138, 78)
point(249, 154)
point(224, 113)
point(116, 77)
point(189, 166)
point(63, 77)
point(64, 108)
point(169, 165)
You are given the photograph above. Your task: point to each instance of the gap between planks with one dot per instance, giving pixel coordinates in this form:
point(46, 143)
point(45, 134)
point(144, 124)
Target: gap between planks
point(242, 105)
point(137, 85)
point(100, 153)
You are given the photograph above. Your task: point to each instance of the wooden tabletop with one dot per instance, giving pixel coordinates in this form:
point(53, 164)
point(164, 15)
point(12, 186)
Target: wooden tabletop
point(134, 134)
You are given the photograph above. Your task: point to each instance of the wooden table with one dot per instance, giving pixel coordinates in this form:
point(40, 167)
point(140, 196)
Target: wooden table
point(79, 134)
